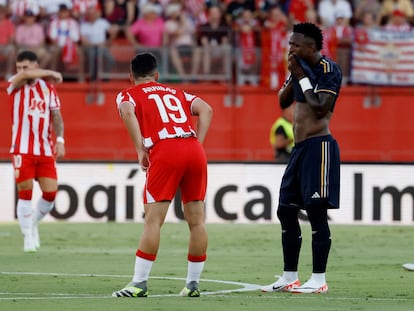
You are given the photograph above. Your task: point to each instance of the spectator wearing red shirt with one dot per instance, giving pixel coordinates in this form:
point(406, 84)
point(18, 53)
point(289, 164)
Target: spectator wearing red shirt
point(344, 36)
point(274, 49)
point(19, 7)
point(298, 9)
point(247, 31)
point(7, 40)
point(329, 43)
point(80, 8)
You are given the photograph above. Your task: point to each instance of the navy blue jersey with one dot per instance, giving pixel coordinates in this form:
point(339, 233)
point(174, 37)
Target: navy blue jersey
point(325, 76)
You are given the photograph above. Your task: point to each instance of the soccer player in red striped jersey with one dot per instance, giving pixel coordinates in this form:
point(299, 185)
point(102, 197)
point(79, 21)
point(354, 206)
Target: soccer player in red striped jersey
point(35, 108)
point(159, 121)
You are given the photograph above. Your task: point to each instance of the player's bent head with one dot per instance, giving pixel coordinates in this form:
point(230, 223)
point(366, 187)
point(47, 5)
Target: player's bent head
point(144, 65)
point(26, 55)
point(310, 30)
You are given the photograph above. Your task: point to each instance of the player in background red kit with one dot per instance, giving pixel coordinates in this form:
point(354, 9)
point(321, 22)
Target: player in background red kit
point(159, 121)
point(35, 111)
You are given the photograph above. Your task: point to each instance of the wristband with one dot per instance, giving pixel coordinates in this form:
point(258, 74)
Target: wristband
point(60, 139)
point(305, 84)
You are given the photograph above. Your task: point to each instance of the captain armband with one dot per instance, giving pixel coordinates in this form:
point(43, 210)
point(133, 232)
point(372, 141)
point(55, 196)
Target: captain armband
point(305, 84)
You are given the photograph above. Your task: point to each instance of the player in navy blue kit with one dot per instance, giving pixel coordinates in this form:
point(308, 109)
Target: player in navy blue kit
point(312, 177)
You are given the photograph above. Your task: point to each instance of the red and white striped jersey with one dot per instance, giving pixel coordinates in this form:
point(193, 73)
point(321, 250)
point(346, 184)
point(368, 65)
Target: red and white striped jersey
point(163, 112)
point(82, 5)
point(19, 7)
point(31, 107)
point(63, 30)
point(197, 9)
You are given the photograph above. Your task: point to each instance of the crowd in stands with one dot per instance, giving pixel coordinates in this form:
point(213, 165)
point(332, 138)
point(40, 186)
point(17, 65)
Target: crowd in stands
point(246, 37)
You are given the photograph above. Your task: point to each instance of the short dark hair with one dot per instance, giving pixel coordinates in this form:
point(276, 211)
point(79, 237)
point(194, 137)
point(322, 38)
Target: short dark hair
point(143, 65)
point(26, 55)
point(310, 30)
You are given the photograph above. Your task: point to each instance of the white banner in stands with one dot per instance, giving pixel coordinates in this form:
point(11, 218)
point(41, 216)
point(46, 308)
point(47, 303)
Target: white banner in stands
point(237, 193)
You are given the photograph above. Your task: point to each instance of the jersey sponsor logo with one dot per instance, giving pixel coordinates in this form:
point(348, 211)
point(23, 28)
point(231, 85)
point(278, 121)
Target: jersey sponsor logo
point(37, 105)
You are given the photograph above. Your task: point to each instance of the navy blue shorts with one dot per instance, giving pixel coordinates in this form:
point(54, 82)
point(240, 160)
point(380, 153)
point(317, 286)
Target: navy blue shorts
point(312, 176)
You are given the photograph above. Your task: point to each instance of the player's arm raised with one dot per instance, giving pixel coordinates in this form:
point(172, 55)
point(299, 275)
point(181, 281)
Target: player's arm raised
point(204, 112)
point(23, 76)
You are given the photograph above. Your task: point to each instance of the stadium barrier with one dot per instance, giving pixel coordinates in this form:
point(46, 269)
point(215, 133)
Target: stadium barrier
point(239, 131)
point(220, 68)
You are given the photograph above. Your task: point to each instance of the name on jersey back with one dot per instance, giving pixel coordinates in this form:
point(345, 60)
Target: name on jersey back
point(156, 88)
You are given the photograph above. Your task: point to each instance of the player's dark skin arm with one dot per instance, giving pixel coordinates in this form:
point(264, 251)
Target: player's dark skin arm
point(286, 94)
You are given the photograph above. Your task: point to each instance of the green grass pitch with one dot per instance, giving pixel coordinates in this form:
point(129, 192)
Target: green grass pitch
point(80, 265)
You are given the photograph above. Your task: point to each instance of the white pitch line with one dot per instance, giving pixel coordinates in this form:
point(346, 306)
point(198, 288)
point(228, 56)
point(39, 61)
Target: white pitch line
point(244, 286)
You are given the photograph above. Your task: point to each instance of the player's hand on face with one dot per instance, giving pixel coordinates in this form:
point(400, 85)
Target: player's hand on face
point(295, 68)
